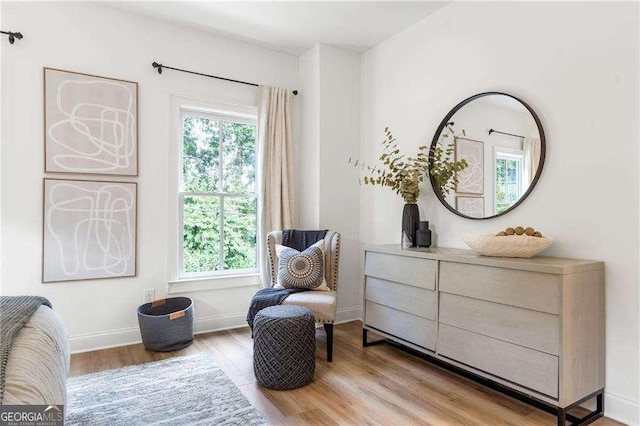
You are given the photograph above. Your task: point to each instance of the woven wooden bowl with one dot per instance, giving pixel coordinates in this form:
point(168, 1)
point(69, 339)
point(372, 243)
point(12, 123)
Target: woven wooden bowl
point(507, 246)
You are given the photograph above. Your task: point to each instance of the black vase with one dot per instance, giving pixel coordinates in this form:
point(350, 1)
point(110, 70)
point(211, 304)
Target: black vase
point(410, 224)
point(423, 234)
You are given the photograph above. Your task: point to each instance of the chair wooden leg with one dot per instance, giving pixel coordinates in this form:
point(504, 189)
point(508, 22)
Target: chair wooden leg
point(328, 328)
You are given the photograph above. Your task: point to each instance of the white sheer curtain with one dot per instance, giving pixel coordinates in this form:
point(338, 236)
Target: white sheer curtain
point(276, 206)
point(531, 160)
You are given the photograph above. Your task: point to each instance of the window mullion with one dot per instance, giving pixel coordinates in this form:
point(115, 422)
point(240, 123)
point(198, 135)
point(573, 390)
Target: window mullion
point(180, 159)
point(216, 194)
point(220, 189)
point(221, 224)
point(181, 234)
point(220, 156)
point(181, 154)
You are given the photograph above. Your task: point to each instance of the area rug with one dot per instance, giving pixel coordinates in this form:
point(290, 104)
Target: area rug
point(189, 390)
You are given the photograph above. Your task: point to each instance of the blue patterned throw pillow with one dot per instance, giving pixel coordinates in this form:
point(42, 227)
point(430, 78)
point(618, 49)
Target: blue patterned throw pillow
point(301, 269)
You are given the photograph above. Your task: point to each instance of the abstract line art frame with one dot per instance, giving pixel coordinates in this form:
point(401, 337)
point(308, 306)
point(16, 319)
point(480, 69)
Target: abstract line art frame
point(89, 230)
point(470, 206)
point(90, 124)
point(471, 179)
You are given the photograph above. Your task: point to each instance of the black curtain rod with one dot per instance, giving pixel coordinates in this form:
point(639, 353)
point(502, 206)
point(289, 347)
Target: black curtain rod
point(13, 36)
point(505, 133)
point(160, 67)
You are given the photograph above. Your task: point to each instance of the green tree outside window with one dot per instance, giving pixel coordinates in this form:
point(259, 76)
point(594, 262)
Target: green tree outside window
point(219, 204)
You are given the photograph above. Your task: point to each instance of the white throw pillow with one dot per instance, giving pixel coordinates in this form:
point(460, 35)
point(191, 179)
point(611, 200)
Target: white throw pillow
point(295, 269)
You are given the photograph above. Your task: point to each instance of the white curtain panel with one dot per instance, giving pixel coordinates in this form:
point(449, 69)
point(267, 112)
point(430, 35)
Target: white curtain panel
point(532, 148)
point(276, 207)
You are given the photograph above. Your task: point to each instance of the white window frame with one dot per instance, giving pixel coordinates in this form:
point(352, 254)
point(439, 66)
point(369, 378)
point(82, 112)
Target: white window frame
point(506, 153)
point(179, 281)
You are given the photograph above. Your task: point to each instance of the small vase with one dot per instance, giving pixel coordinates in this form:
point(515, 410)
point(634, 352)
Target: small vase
point(423, 235)
point(410, 224)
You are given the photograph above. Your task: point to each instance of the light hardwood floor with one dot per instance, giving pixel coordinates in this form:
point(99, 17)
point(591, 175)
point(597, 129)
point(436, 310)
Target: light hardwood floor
point(375, 385)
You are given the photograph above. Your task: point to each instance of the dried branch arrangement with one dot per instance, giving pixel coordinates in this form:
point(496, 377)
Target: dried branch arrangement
point(403, 174)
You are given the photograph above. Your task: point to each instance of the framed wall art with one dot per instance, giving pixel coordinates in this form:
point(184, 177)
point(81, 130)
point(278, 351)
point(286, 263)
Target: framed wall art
point(89, 230)
point(90, 124)
point(470, 206)
point(471, 179)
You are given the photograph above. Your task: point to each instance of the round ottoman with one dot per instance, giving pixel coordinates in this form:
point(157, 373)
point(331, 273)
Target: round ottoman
point(284, 347)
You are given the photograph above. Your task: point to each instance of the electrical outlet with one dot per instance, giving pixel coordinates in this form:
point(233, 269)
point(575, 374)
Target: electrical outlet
point(149, 295)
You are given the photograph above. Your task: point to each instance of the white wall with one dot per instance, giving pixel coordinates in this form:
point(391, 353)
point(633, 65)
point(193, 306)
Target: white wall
point(339, 189)
point(96, 39)
point(576, 64)
point(328, 191)
point(307, 164)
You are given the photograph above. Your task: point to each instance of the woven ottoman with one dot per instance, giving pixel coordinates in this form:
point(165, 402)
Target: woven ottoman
point(284, 347)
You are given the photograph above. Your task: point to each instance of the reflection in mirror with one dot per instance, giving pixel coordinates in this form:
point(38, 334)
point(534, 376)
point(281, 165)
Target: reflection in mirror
point(503, 143)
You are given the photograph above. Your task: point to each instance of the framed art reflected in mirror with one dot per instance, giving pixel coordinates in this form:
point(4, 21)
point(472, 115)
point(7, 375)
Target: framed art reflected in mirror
point(471, 179)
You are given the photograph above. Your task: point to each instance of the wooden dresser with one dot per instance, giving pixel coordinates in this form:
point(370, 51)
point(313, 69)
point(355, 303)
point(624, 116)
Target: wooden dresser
point(536, 326)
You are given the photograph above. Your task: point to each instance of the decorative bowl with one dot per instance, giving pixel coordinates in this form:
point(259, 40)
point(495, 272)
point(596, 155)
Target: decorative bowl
point(507, 246)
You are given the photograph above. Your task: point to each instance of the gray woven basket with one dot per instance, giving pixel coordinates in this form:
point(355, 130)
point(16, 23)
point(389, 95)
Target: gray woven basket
point(166, 325)
point(284, 347)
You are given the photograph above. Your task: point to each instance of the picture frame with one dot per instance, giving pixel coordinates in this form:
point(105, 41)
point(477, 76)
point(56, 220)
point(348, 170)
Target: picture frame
point(471, 179)
point(90, 124)
point(89, 230)
point(470, 206)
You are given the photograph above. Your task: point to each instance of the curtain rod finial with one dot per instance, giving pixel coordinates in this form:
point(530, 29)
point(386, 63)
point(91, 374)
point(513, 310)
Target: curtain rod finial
point(158, 66)
point(295, 92)
point(13, 36)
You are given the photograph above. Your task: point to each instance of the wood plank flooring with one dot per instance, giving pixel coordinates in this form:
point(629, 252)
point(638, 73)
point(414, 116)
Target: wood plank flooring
point(378, 385)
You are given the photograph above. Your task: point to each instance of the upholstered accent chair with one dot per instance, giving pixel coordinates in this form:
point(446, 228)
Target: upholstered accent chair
point(323, 304)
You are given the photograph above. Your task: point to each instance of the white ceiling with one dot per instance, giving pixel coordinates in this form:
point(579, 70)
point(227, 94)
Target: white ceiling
point(292, 26)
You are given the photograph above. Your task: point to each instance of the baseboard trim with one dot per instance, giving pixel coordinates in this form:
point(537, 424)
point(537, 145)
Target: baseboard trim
point(219, 323)
point(104, 340)
point(621, 409)
point(131, 336)
point(352, 313)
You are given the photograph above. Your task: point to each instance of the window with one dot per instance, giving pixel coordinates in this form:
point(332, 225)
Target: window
point(508, 179)
point(217, 202)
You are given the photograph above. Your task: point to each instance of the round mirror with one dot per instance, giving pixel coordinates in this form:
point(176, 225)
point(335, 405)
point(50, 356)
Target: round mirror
point(502, 143)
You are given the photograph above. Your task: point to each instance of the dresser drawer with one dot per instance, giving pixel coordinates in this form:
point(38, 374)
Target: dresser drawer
point(532, 369)
point(414, 300)
point(533, 329)
point(402, 269)
point(525, 289)
point(413, 329)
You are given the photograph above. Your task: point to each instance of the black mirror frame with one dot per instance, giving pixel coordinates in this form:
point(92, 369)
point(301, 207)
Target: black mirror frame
point(543, 151)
